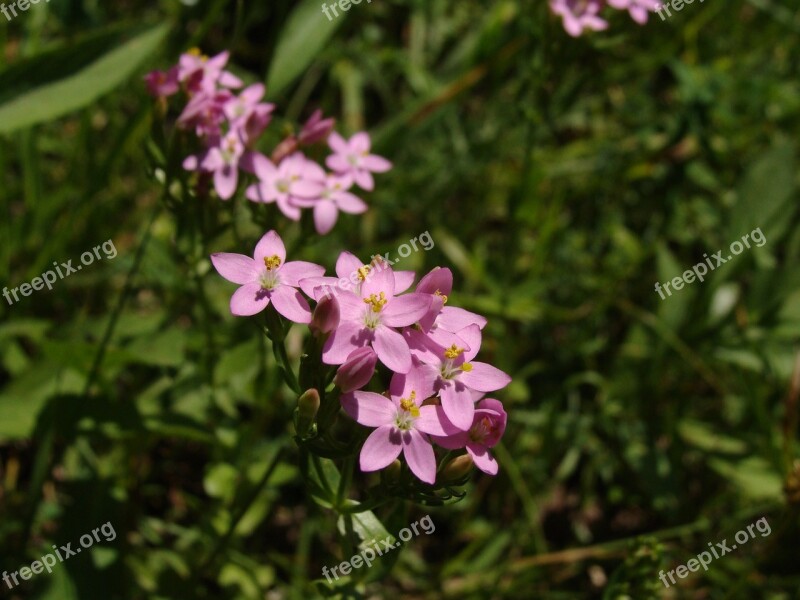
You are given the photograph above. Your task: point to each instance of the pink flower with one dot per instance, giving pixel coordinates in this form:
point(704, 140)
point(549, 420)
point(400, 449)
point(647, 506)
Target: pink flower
point(352, 159)
point(402, 425)
point(205, 113)
point(488, 426)
point(330, 197)
point(223, 162)
point(162, 84)
point(357, 370)
point(316, 129)
point(579, 15)
point(285, 184)
point(351, 272)
point(441, 323)
point(638, 9)
point(242, 108)
point(267, 278)
point(370, 319)
point(458, 380)
point(203, 74)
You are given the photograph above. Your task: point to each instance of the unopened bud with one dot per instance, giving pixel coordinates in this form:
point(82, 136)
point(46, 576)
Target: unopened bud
point(357, 370)
point(326, 315)
point(392, 472)
point(307, 407)
point(457, 468)
point(316, 129)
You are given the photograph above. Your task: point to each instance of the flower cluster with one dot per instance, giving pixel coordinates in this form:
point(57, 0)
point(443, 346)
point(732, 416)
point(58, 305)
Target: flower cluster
point(436, 392)
point(228, 126)
point(579, 15)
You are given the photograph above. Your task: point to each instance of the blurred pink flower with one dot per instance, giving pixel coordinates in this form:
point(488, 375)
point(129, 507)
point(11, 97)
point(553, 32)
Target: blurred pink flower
point(638, 9)
point(203, 74)
point(162, 84)
point(330, 197)
point(579, 15)
point(285, 184)
point(267, 278)
point(316, 129)
point(352, 158)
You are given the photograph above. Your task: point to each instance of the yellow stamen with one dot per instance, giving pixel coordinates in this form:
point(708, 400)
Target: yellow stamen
point(467, 367)
point(194, 51)
point(453, 352)
point(441, 295)
point(377, 303)
point(272, 262)
point(363, 272)
point(408, 404)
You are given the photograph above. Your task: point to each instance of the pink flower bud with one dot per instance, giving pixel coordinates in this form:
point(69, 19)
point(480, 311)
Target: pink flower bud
point(357, 370)
point(316, 129)
point(326, 315)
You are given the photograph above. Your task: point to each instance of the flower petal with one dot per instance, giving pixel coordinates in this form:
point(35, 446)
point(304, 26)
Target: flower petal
point(379, 279)
point(405, 310)
point(392, 349)
point(236, 268)
point(376, 164)
point(438, 280)
point(293, 271)
point(381, 448)
point(433, 420)
point(249, 300)
point(482, 459)
point(270, 244)
point(484, 378)
point(369, 408)
point(347, 264)
point(454, 319)
point(347, 337)
point(458, 405)
point(419, 455)
point(225, 181)
point(291, 304)
point(403, 280)
point(325, 216)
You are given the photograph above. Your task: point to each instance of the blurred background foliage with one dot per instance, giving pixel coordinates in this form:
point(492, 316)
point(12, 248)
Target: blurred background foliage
point(559, 178)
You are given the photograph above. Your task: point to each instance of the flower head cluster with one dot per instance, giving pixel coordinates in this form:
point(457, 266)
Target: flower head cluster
point(436, 393)
point(228, 125)
point(579, 15)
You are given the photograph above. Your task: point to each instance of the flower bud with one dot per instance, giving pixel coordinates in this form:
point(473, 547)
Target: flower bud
point(326, 315)
point(307, 407)
point(316, 129)
point(457, 468)
point(392, 472)
point(357, 370)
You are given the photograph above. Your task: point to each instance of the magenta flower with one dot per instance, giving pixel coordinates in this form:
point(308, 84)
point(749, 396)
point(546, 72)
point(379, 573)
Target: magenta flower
point(330, 197)
point(459, 381)
point(488, 426)
point(202, 74)
point(162, 84)
point(285, 184)
point(402, 425)
point(240, 109)
point(267, 278)
point(579, 15)
point(370, 319)
point(350, 274)
point(352, 159)
point(205, 113)
point(223, 162)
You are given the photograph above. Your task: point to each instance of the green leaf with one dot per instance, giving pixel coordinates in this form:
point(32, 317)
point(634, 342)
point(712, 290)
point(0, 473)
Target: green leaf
point(34, 91)
point(754, 477)
point(304, 36)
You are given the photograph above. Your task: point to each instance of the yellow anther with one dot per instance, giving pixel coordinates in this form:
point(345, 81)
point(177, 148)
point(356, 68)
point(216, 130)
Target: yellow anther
point(467, 367)
point(363, 272)
point(272, 262)
point(453, 352)
point(441, 295)
point(194, 51)
point(408, 404)
point(376, 302)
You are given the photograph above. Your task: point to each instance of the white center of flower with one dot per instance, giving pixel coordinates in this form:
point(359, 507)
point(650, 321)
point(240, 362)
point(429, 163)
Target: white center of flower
point(269, 277)
point(372, 316)
point(449, 370)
